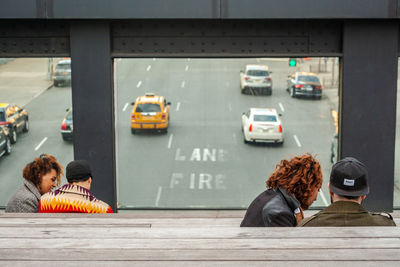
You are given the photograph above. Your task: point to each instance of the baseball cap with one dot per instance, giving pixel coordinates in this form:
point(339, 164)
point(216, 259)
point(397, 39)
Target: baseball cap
point(78, 170)
point(349, 177)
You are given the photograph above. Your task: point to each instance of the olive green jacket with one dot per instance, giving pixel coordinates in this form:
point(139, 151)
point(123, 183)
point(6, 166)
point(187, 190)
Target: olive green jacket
point(347, 213)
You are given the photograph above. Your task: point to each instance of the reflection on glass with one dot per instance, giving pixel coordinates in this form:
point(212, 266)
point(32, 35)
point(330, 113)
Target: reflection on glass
point(396, 202)
point(31, 116)
point(202, 160)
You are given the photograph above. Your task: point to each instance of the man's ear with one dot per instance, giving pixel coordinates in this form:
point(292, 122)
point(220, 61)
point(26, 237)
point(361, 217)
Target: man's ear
point(363, 197)
point(90, 180)
point(330, 192)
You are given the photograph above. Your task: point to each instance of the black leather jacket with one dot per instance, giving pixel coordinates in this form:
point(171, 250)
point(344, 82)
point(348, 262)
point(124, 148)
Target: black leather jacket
point(271, 208)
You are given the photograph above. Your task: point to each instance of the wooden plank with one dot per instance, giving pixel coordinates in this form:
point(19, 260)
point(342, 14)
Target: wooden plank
point(203, 243)
point(288, 255)
point(198, 263)
point(211, 232)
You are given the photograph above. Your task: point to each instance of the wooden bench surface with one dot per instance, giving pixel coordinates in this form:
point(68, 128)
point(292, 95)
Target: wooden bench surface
point(186, 239)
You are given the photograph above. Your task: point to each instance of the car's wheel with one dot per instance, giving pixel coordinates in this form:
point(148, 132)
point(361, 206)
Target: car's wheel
point(281, 143)
point(7, 149)
point(318, 97)
point(292, 92)
point(133, 131)
point(165, 130)
point(13, 136)
point(55, 84)
point(270, 91)
point(26, 126)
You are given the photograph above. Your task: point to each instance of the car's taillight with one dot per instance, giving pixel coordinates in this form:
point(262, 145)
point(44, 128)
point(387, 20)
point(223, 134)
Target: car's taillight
point(280, 128)
point(64, 126)
point(319, 87)
point(299, 85)
point(246, 78)
point(268, 79)
point(164, 116)
point(133, 116)
point(251, 128)
point(4, 123)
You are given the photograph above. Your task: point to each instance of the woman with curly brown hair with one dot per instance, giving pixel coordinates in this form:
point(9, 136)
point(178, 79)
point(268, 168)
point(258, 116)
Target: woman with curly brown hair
point(292, 188)
point(40, 176)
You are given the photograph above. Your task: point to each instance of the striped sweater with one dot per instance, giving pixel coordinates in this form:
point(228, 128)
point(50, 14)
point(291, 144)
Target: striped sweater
point(72, 198)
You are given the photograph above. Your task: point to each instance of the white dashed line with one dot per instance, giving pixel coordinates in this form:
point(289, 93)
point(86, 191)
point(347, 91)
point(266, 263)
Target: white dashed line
point(139, 84)
point(125, 107)
point(297, 140)
point(188, 59)
point(170, 140)
point(323, 198)
point(40, 144)
point(158, 195)
point(230, 106)
point(187, 68)
point(183, 84)
point(227, 84)
point(154, 59)
point(148, 67)
point(234, 138)
point(178, 106)
point(281, 106)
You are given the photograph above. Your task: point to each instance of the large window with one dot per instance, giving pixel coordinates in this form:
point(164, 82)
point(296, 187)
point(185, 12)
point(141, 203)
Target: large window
point(34, 96)
point(196, 150)
point(397, 148)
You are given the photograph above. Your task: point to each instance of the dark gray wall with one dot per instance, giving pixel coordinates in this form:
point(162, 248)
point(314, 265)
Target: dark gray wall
point(192, 9)
point(368, 103)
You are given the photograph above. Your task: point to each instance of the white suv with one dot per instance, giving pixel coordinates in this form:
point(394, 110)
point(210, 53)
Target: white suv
point(256, 79)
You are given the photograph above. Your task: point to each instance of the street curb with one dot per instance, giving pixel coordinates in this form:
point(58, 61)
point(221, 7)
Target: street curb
point(38, 94)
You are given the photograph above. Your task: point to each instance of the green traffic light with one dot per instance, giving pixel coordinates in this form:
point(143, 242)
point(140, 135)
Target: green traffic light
point(292, 62)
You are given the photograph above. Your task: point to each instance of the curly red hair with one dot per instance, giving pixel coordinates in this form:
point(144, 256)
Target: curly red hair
point(34, 170)
point(300, 176)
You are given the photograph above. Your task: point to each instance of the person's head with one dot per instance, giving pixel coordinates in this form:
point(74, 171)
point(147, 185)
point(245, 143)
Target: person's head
point(79, 172)
point(348, 181)
point(44, 172)
point(301, 176)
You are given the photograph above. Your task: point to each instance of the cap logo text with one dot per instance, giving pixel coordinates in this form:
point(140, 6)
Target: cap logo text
point(348, 182)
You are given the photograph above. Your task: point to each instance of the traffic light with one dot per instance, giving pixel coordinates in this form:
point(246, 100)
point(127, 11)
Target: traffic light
point(292, 62)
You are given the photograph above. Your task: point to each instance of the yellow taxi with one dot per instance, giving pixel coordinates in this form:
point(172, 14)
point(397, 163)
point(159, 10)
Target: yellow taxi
point(150, 112)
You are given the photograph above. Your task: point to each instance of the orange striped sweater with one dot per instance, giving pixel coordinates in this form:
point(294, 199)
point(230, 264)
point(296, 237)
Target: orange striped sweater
point(72, 198)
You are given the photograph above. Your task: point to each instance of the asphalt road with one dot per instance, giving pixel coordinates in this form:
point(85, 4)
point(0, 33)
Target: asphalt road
point(202, 161)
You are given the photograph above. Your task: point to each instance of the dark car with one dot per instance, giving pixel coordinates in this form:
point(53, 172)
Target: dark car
point(304, 84)
point(5, 142)
point(62, 75)
point(15, 119)
point(67, 128)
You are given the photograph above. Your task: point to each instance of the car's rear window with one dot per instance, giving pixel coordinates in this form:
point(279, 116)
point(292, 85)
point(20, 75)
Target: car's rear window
point(63, 67)
point(257, 73)
point(2, 116)
point(69, 116)
point(271, 118)
point(148, 107)
point(308, 79)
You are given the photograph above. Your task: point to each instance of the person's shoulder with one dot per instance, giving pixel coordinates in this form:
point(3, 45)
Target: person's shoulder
point(383, 218)
point(307, 221)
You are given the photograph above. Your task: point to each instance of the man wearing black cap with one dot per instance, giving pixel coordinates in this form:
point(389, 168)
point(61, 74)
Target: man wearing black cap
point(75, 196)
point(348, 187)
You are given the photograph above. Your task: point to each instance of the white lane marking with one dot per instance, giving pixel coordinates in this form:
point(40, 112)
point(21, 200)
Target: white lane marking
point(323, 198)
point(154, 59)
point(234, 138)
point(125, 107)
point(227, 84)
point(139, 84)
point(148, 67)
point(187, 68)
point(188, 59)
point(170, 140)
point(183, 84)
point(230, 106)
point(178, 106)
point(40, 144)
point(281, 106)
point(158, 195)
point(297, 140)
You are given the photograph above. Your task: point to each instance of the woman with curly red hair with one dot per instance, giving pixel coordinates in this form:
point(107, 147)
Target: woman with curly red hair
point(292, 188)
point(40, 176)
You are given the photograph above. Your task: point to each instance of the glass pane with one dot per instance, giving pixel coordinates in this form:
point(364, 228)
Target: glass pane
point(190, 152)
point(34, 125)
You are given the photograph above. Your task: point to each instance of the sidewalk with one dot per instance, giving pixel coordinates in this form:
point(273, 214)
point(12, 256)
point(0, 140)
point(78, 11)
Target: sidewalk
point(23, 79)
